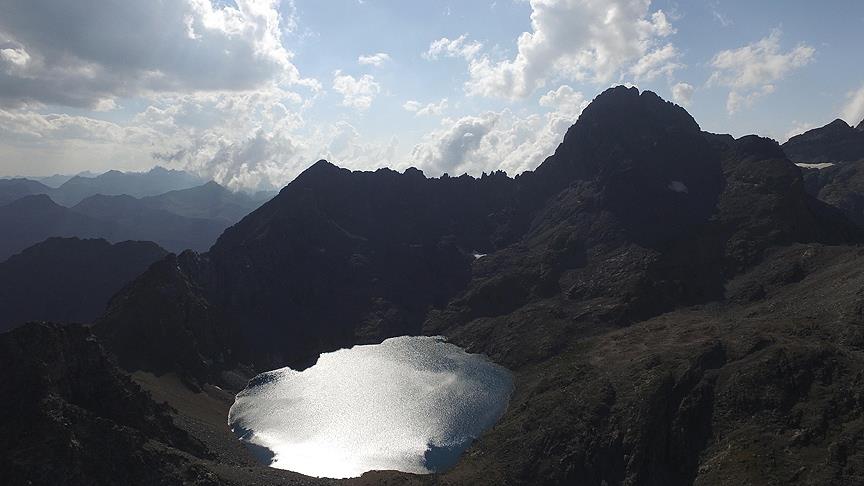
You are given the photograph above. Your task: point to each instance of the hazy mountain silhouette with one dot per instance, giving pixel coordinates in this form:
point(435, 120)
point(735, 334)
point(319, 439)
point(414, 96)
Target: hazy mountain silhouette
point(69, 279)
point(177, 220)
point(133, 219)
point(208, 201)
point(32, 219)
point(13, 189)
point(113, 183)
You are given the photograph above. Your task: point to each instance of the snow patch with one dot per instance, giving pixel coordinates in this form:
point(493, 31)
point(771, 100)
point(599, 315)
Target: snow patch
point(678, 186)
point(820, 165)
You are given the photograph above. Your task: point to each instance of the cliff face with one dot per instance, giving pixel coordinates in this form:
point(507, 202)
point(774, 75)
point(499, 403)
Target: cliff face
point(674, 304)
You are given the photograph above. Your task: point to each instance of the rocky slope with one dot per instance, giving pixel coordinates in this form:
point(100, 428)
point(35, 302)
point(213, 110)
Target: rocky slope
point(676, 308)
point(68, 279)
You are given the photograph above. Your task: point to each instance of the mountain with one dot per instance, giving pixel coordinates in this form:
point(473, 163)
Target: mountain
point(69, 279)
point(208, 201)
point(835, 142)
point(12, 189)
point(32, 219)
point(112, 183)
point(177, 220)
point(135, 220)
point(675, 307)
point(860, 126)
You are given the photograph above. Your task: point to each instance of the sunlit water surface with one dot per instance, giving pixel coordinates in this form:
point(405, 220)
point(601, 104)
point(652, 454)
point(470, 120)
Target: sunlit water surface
point(412, 404)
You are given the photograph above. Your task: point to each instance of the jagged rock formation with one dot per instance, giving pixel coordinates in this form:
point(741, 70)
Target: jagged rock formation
point(68, 279)
point(835, 142)
point(676, 308)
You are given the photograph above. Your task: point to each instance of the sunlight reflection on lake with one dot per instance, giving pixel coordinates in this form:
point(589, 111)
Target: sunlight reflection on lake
point(412, 404)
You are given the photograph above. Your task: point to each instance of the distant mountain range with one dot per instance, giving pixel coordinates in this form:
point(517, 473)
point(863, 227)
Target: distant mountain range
point(179, 219)
point(69, 279)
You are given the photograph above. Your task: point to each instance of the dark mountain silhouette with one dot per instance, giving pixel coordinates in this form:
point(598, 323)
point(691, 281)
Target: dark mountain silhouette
point(13, 189)
point(860, 126)
point(69, 279)
point(835, 142)
point(676, 308)
point(113, 183)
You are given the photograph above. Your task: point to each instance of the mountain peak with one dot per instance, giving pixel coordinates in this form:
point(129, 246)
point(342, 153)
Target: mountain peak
point(860, 126)
point(318, 170)
point(838, 124)
point(618, 129)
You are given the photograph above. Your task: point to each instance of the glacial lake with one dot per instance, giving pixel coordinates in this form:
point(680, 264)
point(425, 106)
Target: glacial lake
point(411, 404)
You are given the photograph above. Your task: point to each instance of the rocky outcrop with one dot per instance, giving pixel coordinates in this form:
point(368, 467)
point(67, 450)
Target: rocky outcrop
point(835, 142)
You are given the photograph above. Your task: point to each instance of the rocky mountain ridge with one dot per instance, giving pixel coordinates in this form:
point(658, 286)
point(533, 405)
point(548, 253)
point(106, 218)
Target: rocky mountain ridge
point(675, 307)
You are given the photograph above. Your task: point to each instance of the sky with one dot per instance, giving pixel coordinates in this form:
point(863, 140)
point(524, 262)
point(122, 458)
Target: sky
point(252, 92)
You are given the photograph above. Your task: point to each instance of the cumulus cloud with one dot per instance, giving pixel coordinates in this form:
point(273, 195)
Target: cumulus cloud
point(751, 71)
point(356, 92)
point(458, 47)
point(81, 53)
point(853, 112)
point(499, 140)
point(571, 39)
point(449, 149)
point(564, 100)
point(419, 109)
point(682, 93)
point(378, 59)
point(661, 61)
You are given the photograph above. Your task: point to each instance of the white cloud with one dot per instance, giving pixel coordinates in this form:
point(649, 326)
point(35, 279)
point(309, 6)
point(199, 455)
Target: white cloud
point(356, 92)
point(419, 109)
point(448, 149)
point(738, 100)
point(82, 52)
point(499, 140)
point(682, 93)
point(573, 40)
point(564, 100)
point(752, 70)
point(458, 47)
point(663, 60)
point(853, 112)
point(377, 59)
